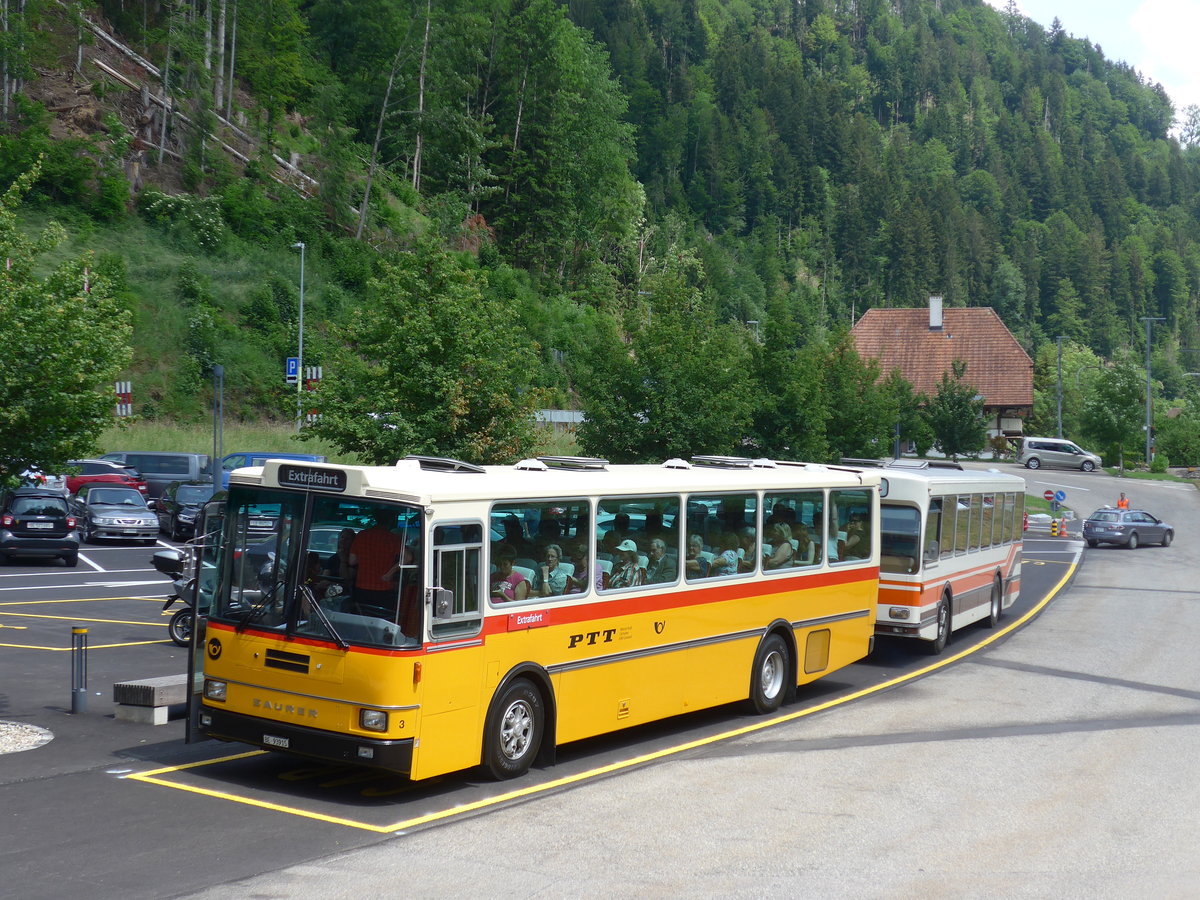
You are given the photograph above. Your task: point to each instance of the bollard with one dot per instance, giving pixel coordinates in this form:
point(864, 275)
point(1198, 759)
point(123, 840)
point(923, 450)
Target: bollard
point(79, 644)
point(1054, 528)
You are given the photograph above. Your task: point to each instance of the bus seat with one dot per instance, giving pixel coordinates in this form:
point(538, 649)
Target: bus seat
point(605, 566)
point(643, 560)
point(526, 571)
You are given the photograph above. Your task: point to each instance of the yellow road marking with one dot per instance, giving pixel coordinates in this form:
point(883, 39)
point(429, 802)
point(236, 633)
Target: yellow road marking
point(82, 619)
point(151, 777)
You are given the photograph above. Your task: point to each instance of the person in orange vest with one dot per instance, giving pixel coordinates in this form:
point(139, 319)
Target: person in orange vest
point(1123, 501)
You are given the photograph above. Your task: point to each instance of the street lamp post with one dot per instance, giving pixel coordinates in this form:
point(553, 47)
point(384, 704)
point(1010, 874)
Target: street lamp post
point(299, 245)
point(1149, 320)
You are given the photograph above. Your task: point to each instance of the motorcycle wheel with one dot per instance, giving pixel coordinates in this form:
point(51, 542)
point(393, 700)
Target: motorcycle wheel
point(180, 627)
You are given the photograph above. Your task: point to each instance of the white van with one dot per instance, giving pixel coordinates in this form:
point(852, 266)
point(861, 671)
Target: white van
point(1037, 452)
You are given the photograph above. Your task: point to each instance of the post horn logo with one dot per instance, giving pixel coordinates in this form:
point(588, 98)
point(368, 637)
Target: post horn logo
point(214, 648)
point(659, 627)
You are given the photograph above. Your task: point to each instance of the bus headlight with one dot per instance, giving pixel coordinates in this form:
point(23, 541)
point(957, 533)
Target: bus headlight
point(214, 690)
point(898, 612)
point(373, 719)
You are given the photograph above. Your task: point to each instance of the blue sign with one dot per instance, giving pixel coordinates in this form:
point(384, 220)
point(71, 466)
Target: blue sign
point(1060, 496)
point(292, 371)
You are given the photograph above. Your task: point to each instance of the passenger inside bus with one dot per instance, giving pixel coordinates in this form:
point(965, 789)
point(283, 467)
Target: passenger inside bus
point(507, 585)
point(553, 575)
point(781, 549)
point(697, 563)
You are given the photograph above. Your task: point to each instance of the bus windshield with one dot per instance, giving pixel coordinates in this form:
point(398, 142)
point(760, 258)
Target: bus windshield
point(332, 568)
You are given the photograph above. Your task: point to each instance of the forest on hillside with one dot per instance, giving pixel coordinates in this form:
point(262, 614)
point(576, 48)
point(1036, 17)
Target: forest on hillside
point(666, 213)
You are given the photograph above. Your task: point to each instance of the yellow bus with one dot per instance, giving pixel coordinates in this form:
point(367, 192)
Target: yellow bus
point(950, 548)
point(434, 615)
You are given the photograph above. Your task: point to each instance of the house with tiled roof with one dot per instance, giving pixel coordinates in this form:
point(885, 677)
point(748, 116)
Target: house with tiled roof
point(924, 344)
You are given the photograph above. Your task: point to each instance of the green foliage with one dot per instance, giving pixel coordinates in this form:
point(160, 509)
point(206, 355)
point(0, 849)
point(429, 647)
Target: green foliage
point(66, 337)
point(955, 415)
point(429, 366)
point(1114, 412)
point(195, 222)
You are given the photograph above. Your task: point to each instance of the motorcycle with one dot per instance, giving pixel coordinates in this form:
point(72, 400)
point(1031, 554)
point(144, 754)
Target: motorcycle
point(178, 566)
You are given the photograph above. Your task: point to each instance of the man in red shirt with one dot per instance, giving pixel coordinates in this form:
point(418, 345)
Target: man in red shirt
point(373, 553)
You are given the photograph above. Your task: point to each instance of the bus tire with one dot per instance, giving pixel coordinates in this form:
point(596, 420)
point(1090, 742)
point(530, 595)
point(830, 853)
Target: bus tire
point(996, 609)
point(514, 731)
point(938, 644)
point(768, 679)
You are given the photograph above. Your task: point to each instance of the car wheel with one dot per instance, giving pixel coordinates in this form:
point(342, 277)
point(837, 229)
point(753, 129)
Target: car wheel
point(1033, 463)
point(1092, 542)
point(175, 534)
point(71, 559)
point(938, 644)
point(514, 731)
point(1088, 465)
point(768, 678)
point(1132, 543)
point(85, 532)
point(3, 558)
point(1168, 536)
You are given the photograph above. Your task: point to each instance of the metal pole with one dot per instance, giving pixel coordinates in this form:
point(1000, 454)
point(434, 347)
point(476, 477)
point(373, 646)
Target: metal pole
point(218, 420)
point(79, 646)
point(1149, 320)
point(1060, 385)
point(300, 350)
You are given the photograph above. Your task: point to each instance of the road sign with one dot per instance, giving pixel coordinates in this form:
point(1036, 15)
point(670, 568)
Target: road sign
point(1060, 496)
point(1049, 495)
point(292, 371)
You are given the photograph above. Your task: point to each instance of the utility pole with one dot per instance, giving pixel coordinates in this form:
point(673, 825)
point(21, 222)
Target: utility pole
point(1060, 434)
point(299, 245)
point(1149, 320)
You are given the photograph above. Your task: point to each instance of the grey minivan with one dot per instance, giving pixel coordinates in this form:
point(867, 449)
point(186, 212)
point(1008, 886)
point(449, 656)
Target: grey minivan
point(1037, 452)
point(159, 467)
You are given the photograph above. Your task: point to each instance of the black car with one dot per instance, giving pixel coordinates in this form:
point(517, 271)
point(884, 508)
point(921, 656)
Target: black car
point(179, 507)
point(112, 511)
point(1129, 527)
point(37, 522)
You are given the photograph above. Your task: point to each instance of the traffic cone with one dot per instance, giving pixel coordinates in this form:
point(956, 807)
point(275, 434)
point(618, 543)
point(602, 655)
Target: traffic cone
point(1062, 529)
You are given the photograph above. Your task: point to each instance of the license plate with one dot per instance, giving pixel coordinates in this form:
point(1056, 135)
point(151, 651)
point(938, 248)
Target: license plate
point(131, 531)
point(45, 525)
point(272, 741)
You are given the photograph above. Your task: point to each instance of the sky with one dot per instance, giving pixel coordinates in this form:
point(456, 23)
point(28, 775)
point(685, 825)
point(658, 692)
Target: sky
point(1156, 37)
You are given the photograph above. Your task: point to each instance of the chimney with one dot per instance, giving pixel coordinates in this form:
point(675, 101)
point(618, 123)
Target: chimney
point(935, 312)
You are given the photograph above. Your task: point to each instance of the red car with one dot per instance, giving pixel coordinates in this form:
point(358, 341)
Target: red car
point(103, 470)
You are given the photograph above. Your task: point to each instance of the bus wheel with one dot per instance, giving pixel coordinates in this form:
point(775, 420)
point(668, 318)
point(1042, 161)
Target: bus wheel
point(514, 731)
point(768, 680)
point(938, 644)
point(997, 607)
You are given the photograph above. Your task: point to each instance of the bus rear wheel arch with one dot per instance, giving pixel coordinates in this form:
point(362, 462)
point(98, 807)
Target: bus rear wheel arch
point(771, 675)
point(515, 729)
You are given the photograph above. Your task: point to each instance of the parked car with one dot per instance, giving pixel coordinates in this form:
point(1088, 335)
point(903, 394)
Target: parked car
point(37, 522)
point(179, 507)
point(36, 478)
point(1130, 527)
point(245, 458)
point(1036, 452)
point(160, 468)
point(105, 471)
point(112, 511)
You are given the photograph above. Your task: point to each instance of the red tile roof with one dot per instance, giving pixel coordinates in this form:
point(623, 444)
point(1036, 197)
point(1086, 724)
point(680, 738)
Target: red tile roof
point(997, 366)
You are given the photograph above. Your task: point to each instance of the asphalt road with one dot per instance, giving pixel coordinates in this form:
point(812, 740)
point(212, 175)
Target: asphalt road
point(1056, 760)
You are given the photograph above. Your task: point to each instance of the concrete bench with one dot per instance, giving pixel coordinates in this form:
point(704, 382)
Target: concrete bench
point(151, 701)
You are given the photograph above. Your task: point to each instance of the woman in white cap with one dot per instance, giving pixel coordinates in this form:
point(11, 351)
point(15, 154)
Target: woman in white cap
point(626, 571)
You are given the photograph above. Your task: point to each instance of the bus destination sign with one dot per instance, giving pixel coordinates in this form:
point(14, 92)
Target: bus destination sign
point(312, 478)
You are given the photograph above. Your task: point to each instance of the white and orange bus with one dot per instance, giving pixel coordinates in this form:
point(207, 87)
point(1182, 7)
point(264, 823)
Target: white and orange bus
point(950, 548)
point(485, 615)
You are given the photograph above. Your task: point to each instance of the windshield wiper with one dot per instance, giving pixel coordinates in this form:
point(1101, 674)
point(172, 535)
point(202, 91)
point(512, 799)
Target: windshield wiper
point(306, 594)
point(256, 610)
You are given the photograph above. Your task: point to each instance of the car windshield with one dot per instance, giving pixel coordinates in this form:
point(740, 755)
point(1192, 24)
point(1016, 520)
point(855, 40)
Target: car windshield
point(40, 506)
point(117, 497)
point(194, 493)
point(1106, 515)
